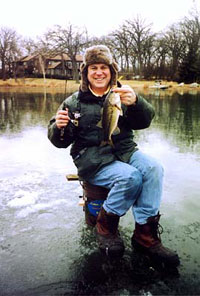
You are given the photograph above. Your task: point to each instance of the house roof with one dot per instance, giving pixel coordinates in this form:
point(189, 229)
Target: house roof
point(79, 58)
point(57, 57)
point(54, 65)
point(27, 58)
point(65, 57)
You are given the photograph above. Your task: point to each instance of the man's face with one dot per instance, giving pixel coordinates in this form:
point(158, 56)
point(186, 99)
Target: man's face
point(99, 76)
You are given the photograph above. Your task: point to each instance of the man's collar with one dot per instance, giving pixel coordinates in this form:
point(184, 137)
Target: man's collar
point(97, 95)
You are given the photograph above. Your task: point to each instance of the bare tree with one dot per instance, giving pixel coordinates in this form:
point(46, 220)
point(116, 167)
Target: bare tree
point(122, 42)
point(43, 50)
point(133, 42)
point(29, 46)
point(175, 46)
point(69, 40)
point(138, 32)
point(148, 56)
point(9, 49)
point(190, 28)
point(160, 59)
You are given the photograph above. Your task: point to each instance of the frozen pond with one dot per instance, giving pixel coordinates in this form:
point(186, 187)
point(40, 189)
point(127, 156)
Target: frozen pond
point(45, 247)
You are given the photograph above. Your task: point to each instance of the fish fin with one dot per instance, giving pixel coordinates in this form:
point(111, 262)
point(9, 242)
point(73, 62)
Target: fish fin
point(120, 109)
point(116, 131)
point(99, 124)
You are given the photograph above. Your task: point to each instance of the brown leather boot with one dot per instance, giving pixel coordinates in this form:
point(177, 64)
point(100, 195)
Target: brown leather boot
point(146, 238)
point(108, 237)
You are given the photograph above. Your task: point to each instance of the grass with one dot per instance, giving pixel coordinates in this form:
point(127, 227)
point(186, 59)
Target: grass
point(39, 83)
point(35, 82)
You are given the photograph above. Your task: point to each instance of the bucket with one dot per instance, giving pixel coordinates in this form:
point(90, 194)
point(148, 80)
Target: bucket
point(94, 197)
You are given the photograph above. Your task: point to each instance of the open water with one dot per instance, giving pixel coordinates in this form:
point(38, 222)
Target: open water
point(46, 248)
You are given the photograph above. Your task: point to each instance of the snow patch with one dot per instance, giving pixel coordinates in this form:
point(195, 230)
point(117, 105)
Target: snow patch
point(23, 198)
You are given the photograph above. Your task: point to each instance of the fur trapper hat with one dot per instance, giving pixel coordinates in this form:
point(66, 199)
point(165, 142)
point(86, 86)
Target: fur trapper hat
point(98, 54)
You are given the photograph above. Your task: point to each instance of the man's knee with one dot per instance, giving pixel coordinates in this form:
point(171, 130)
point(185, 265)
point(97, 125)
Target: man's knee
point(156, 170)
point(130, 180)
point(136, 179)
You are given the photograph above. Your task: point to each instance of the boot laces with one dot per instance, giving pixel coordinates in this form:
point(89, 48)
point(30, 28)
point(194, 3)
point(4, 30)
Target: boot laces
point(157, 231)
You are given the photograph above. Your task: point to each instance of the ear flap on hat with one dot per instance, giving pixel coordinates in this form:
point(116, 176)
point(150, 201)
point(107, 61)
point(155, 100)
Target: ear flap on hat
point(114, 73)
point(84, 80)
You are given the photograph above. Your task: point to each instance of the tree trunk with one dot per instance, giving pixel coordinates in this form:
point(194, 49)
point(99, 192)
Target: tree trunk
point(42, 66)
point(3, 70)
point(75, 71)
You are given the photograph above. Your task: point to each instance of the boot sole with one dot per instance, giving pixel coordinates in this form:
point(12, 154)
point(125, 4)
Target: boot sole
point(168, 262)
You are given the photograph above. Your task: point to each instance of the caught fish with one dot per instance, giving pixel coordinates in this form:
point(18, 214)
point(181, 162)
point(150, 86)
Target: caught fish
point(111, 112)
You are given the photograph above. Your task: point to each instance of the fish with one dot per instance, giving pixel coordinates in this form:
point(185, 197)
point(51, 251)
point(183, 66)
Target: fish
point(110, 115)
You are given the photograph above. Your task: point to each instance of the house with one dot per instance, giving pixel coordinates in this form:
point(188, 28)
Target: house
point(61, 65)
point(58, 66)
point(25, 66)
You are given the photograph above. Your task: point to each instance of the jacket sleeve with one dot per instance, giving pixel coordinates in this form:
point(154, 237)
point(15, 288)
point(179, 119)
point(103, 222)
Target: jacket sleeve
point(140, 115)
point(61, 138)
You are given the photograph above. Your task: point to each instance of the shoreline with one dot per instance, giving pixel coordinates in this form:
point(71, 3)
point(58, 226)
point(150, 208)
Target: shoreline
point(70, 86)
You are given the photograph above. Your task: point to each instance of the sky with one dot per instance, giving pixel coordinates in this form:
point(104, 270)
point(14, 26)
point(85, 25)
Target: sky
point(33, 18)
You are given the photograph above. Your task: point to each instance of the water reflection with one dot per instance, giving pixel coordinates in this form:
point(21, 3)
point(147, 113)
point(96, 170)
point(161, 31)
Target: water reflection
point(21, 110)
point(177, 116)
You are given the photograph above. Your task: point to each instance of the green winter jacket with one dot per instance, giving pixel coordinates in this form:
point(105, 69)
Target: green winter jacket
point(86, 136)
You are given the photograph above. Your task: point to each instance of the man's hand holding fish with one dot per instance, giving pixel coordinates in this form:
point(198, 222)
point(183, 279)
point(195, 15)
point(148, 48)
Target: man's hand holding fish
point(127, 95)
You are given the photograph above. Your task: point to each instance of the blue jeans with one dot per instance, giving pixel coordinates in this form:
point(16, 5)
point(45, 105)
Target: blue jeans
point(136, 184)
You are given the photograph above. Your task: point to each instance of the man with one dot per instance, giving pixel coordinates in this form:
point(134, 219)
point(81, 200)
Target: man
point(134, 179)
